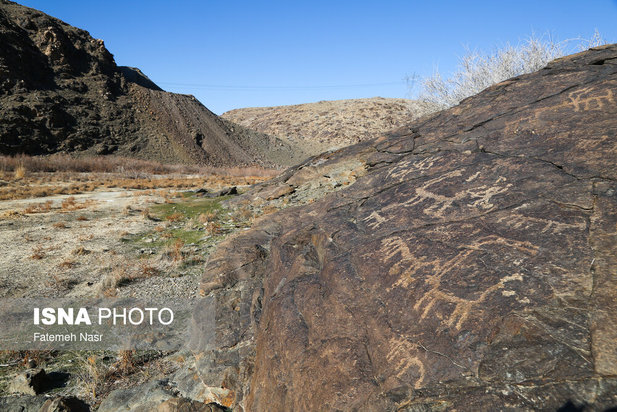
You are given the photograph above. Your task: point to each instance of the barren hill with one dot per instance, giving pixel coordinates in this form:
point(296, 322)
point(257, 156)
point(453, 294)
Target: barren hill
point(330, 124)
point(61, 91)
point(464, 262)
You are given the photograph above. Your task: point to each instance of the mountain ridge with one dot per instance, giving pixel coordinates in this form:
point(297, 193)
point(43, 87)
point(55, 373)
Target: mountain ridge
point(61, 91)
point(330, 124)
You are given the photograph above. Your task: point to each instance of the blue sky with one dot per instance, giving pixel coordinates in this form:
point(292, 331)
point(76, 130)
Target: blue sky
point(233, 54)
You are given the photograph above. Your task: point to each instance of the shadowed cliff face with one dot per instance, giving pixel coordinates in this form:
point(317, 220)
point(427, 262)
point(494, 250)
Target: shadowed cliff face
point(61, 91)
point(470, 264)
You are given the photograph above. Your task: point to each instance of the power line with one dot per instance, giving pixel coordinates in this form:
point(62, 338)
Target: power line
point(230, 87)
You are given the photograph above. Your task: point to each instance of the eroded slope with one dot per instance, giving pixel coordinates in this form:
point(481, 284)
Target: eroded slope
point(327, 125)
point(61, 91)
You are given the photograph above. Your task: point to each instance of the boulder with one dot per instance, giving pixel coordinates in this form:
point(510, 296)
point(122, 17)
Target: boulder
point(141, 398)
point(65, 404)
point(30, 382)
point(187, 405)
point(22, 403)
point(470, 263)
point(232, 190)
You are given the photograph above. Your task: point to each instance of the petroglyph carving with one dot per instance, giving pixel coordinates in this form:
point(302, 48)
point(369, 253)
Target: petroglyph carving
point(485, 193)
point(376, 219)
point(472, 177)
point(403, 356)
point(518, 221)
point(407, 167)
point(581, 100)
point(425, 164)
point(408, 264)
point(480, 196)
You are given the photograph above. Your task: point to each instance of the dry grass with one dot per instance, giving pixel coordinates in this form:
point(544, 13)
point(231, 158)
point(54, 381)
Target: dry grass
point(175, 251)
point(126, 362)
point(214, 228)
point(129, 167)
point(42, 184)
point(244, 214)
point(38, 176)
point(98, 373)
point(175, 217)
point(70, 204)
point(11, 214)
point(67, 264)
point(24, 358)
point(38, 253)
point(60, 225)
point(269, 209)
point(206, 217)
point(81, 251)
point(125, 272)
point(147, 270)
point(19, 172)
point(39, 208)
point(58, 282)
point(477, 71)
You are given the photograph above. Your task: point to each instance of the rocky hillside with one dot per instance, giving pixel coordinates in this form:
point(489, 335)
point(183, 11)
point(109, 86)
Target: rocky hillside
point(61, 91)
point(330, 124)
point(464, 262)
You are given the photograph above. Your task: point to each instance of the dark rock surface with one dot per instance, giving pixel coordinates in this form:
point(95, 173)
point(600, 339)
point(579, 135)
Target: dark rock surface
point(469, 262)
point(23, 403)
point(187, 405)
point(65, 404)
point(61, 91)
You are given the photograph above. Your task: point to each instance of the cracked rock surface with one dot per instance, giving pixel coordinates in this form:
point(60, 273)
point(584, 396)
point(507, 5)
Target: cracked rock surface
point(467, 261)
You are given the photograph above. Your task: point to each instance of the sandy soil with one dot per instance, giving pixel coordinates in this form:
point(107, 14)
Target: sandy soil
point(72, 252)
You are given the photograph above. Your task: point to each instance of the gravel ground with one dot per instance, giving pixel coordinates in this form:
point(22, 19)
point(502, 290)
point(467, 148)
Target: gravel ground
point(71, 252)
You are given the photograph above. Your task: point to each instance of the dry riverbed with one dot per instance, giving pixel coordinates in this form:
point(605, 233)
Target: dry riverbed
point(150, 244)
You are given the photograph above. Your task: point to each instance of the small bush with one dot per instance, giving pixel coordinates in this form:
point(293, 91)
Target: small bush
point(20, 171)
point(38, 253)
point(81, 251)
point(176, 250)
point(476, 71)
point(67, 264)
point(175, 217)
point(39, 208)
point(206, 217)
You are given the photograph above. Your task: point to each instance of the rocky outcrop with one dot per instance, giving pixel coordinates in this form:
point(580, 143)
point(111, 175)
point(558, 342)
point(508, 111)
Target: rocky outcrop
point(160, 396)
point(65, 404)
point(61, 91)
point(326, 125)
point(30, 382)
point(468, 262)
